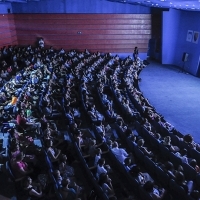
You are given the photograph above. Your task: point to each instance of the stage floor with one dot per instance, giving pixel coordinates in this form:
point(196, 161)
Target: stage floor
point(175, 95)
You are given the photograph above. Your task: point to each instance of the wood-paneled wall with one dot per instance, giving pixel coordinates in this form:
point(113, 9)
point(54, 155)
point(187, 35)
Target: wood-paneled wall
point(7, 30)
point(96, 32)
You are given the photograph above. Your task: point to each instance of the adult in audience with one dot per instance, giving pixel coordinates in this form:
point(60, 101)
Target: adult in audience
point(120, 153)
point(153, 191)
point(32, 190)
point(106, 183)
point(187, 185)
point(66, 192)
point(19, 167)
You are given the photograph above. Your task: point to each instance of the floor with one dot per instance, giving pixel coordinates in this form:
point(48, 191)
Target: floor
point(175, 95)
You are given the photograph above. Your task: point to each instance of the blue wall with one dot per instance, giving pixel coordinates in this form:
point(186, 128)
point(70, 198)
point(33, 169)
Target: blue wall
point(169, 35)
point(78, 6)
point(176, 23)
point(4, 8)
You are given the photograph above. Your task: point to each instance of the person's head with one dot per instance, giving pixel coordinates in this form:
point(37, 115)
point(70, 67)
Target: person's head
point(180, 168)
point(98, 123)
point(128, 132)
point(180, 177)
point(56, 173)
point(110, 143)
point(63, 158)
point(148, 186)
point(184, 152)
point(65, 182)
point(27, 181)
point(20, 156)
point(127, 161)
point(188, 138)
point(167, 139)
point(49, 143)
point(98, 151)
point(103, 177)
point(101, 161)
point(17, 147)
point(140, 142)
point(115, 144)
point(193, 163)
point(93, 142)
point(169, 166)
point(195, 194)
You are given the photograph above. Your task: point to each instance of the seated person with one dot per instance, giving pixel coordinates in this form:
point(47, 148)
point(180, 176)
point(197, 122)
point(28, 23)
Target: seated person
point(94, 114)
point(102, 168)
point(168, 167)
point(120, 153)
point(140, 144)
point(193, 163)
point(167, 143)
point(154, 192)
point(190, 141)
point(111, 113)
point(25, 124)
point(123, 127)
point(141, 177)
point(19, 167)
point(66, 192)
point(104, 132)
point(65, 169)
point(52, 152)
point(92, 147)
point(32, 190)
point(106, 184)
point(180, 180)
point(183, 155)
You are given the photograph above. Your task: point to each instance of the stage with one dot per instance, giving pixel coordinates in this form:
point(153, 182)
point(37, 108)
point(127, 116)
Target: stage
point(175, 95)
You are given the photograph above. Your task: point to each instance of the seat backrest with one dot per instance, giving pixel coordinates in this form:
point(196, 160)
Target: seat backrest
point(189, 172)
point(165, 152)
point(9, 171)
point(139, 154)
point(144, 195)
point(198, 180)
point(177, 191)
point(162, 177)
point(195, 154)
point(175, 159)
point(150, 166)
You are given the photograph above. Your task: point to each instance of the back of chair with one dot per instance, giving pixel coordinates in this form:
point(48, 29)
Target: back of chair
point(189, 172)
point(177, 191)
point(144, 195)
point(139, 154)
point(9, 171)
point(162, 177)
point(175, 159)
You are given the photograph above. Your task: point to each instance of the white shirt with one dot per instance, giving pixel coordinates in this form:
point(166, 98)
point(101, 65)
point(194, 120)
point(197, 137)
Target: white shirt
point(120, 154)
point(100, 170)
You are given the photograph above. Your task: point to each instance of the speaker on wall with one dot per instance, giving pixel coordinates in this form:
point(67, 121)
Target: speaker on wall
point(185, 57)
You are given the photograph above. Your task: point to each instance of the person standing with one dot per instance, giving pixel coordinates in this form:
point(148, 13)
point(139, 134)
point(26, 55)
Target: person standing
point(135, 54)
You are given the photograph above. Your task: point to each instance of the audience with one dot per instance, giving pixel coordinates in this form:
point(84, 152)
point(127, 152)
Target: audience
point(38, 95)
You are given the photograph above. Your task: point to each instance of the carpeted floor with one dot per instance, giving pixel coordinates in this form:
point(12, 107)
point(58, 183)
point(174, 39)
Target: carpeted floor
point(175, 95)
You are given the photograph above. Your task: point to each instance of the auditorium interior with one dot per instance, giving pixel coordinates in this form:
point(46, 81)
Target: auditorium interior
point(99, 100)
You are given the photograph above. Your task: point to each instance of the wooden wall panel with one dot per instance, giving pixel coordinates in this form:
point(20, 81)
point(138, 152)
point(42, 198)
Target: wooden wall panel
point(98, 32)
point(7, 30)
